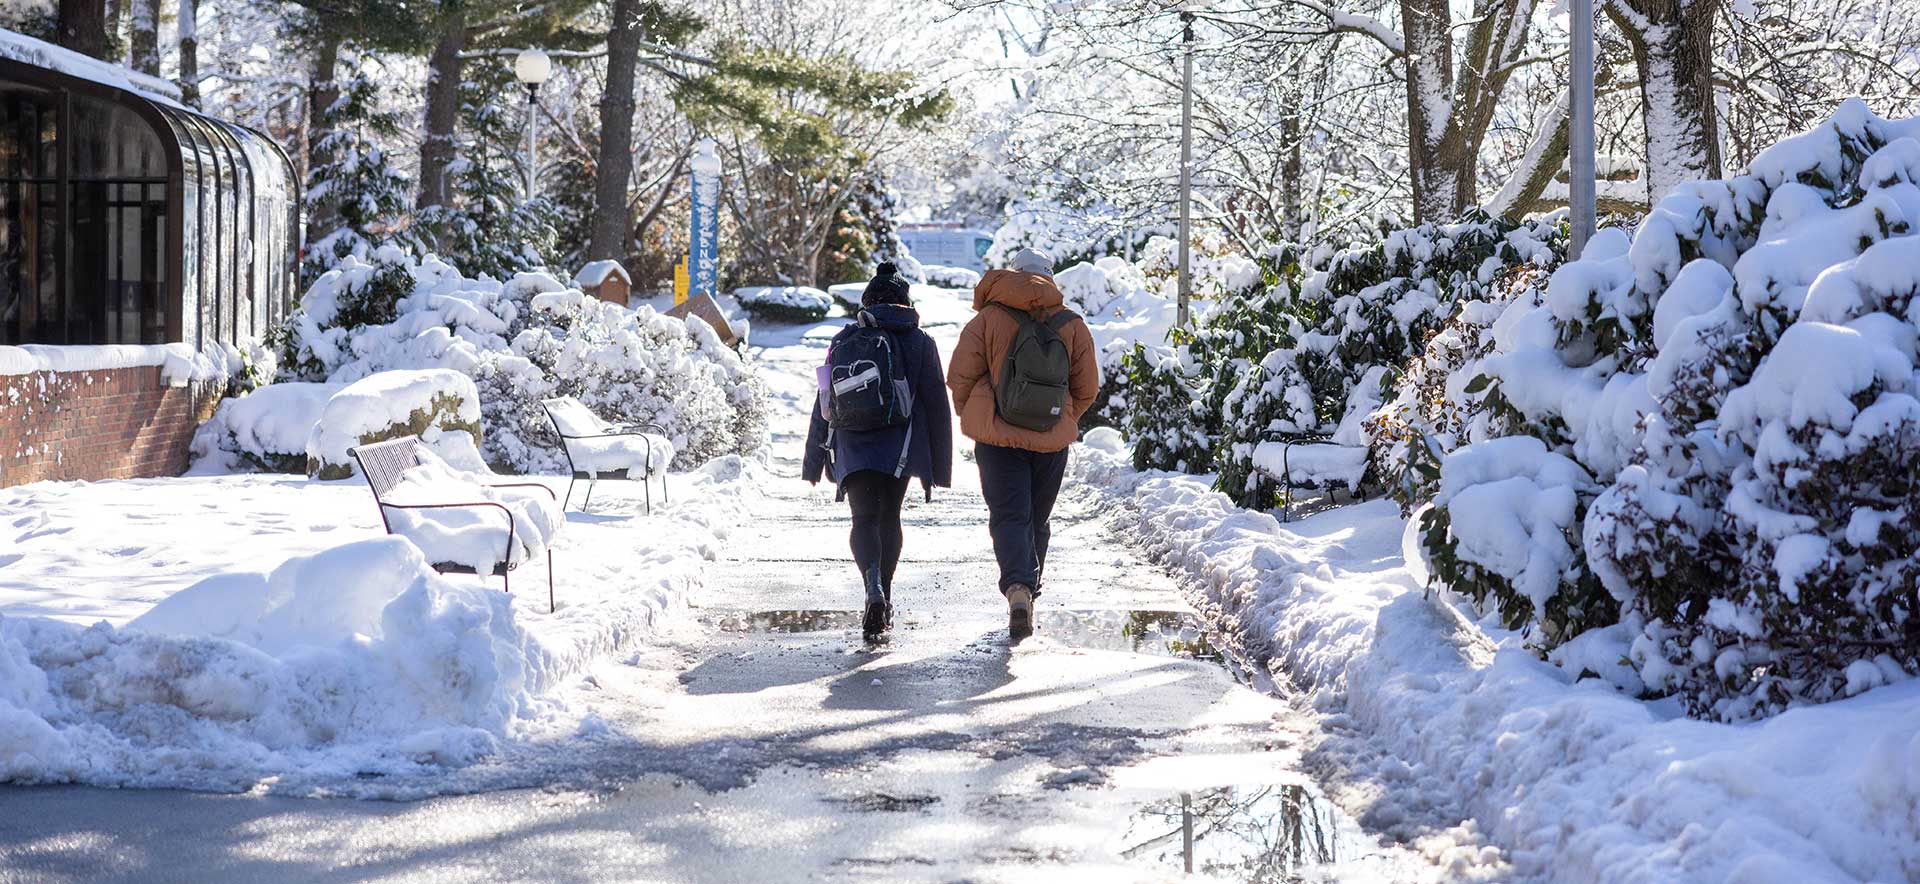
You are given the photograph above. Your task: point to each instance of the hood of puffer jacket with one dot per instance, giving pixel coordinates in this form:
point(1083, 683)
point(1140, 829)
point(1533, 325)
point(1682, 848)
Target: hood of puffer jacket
point(893, 317)
point(1021, 291)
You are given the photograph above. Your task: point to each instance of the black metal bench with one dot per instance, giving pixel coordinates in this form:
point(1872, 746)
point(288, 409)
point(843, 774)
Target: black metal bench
point(574, 423)
point(1287, 443)
point(382, 463)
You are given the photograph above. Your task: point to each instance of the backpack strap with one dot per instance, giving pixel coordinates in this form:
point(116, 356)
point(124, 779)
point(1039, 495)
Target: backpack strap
point(1059, 320)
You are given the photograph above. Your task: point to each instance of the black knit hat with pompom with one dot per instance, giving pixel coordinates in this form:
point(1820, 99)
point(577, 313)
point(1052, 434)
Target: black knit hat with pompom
point(886, 287)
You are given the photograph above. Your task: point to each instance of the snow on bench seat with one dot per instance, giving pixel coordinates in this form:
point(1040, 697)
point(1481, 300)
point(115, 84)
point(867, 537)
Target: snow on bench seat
point(472, 537)
point(1312, 464)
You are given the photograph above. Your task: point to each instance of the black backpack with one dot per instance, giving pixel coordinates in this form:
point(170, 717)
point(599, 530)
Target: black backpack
point(867, 379)
point(1032, 392)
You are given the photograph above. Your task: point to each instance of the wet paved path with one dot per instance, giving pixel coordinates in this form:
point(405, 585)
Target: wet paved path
point(766, 742)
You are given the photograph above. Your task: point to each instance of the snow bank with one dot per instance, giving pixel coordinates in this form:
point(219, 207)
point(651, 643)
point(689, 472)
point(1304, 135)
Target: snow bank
point(1433, 719)
point(942, 276)
point(356, 658)
point(329, 668)
point(439, 405)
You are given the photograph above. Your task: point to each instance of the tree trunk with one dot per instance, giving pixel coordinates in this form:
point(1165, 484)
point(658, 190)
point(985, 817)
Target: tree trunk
point(189, 52)
point(1672, 49)
point(322, 91)
point(143, 43)
point(438, 148)
point(1427, 26)
point(83, 26)
point(608, 235)
point(1546, 155)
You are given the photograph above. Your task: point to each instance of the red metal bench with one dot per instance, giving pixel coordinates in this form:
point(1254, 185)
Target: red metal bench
point(382, 463)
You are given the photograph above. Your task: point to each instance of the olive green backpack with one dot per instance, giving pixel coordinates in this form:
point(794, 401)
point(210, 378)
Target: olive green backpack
point(1032, 391)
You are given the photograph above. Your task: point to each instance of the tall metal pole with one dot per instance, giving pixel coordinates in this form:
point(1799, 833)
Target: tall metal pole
point(533, 158)
point(1580, 171)
point(1186, 166)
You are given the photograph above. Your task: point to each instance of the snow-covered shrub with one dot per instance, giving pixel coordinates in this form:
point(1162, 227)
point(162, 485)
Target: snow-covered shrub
point(946, 277)
point(439, 405)
point(1165, 417)
point(521, 341)
point(627, 367)
point(1441, 404)
point(1219, 269)
point(1365, 313)
point(264, 430)
point(1736, 386)
point(1067, 235)
point(785, 303)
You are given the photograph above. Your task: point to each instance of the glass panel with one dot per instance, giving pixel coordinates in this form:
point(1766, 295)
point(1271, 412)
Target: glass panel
point(112, 141)
point(18, 305)
point(27, 135)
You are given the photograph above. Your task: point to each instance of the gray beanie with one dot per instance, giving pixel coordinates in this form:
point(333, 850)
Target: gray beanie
point(1030, 261)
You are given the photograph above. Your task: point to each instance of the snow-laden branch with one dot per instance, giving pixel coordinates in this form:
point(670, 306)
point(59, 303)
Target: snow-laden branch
point(1341, 21)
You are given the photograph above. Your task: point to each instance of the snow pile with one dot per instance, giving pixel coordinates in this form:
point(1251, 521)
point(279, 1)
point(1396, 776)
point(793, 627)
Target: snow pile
point(266, 429)
point(1737, 385)
point(521, 341)
point(439, 405)
point(785, 303)
point(516, 525)
point(334, 661)
point(357, 657)
point(1438, 726)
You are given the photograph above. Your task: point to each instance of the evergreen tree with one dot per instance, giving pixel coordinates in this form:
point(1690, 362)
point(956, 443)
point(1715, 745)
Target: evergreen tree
point(491, 227)
point(353, 183)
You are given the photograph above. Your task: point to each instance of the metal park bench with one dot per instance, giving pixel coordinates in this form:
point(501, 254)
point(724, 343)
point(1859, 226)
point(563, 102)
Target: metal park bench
point(598, 450)
point(1275, 457)
point(382, 463)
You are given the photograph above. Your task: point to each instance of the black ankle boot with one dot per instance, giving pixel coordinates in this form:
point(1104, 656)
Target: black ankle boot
point(875, 621)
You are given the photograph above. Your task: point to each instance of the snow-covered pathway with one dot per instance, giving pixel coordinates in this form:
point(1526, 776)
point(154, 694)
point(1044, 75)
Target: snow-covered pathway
point(763, 741)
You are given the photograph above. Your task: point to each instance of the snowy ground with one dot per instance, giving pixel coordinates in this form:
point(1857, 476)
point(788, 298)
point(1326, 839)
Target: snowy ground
point(755, 739)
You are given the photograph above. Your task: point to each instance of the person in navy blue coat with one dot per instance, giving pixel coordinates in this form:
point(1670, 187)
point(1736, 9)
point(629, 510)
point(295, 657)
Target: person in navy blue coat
point(867, 465)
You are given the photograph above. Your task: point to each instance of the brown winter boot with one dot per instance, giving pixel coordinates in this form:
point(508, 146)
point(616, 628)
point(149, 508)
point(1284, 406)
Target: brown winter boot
point(1019, 612)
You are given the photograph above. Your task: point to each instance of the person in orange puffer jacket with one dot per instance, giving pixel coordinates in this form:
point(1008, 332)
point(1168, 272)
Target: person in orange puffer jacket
point(1020, 468)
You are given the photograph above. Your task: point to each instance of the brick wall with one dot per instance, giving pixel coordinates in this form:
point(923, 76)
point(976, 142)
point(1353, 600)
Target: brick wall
point(108, 424)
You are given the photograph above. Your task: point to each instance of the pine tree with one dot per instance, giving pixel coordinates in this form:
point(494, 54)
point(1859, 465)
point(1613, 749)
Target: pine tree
point(491, 228)
point(353, 183)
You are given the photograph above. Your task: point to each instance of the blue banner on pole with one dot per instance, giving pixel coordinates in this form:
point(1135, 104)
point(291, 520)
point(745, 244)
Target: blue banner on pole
point(703, 250)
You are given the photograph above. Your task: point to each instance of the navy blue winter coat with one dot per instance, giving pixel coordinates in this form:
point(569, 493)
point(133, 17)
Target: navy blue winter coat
point(929, 451)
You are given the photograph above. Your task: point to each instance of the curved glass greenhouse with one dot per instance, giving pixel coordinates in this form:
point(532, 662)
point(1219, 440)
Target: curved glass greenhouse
point(126, 218)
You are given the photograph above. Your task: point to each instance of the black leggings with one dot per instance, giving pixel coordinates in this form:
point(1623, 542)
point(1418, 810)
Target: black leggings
point(876, 498)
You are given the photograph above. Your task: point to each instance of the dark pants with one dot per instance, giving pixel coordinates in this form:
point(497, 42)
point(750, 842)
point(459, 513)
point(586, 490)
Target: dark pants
point(876, 498)
point(1020, 487)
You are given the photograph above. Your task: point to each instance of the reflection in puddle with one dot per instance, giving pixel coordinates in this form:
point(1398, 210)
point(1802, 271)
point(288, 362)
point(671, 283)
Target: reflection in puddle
point(1163, 633)
point(1262, 834)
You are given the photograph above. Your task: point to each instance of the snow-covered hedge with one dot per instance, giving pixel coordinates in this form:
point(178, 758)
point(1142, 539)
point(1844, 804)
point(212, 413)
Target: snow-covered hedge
point(265, 430)
point(785, 303)
point(946, 277)
point(521, 341)
point(439, 405)
point(1311, 350)
point(1721, 435)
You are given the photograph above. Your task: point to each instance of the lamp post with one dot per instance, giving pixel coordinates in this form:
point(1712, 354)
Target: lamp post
point(1580, 171)
point(1186, 162)
point(532, 67)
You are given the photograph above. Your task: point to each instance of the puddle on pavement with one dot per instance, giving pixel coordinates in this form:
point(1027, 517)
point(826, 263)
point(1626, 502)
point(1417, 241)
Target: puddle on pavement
point(1269, 833)
point(1162, 633)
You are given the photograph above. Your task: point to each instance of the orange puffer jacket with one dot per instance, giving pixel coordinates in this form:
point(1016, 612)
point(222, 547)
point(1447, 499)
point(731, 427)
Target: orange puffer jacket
point(977, 361)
